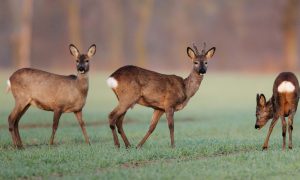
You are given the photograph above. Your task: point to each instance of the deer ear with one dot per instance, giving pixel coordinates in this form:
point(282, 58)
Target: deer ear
point(262, 100)
point(92, 50)
point(210, 53)
point(74, 51)
point(190, 52)
point(257, 99)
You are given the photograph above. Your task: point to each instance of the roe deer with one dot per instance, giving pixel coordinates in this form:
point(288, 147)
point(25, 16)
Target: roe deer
point(50, 92)
point(164, 93)
point(283, 103)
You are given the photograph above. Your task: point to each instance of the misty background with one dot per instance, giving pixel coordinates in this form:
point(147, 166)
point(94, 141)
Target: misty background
point(250, 35)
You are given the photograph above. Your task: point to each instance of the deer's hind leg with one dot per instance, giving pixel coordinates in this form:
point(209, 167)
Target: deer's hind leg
point(113, 117)
point(290, 129)
point(13, 122)
point(283, 122)
point(125, 102)
point(119, 124)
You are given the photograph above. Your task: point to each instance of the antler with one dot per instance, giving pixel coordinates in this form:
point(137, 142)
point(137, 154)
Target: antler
point(203, 50)
point(196, 49)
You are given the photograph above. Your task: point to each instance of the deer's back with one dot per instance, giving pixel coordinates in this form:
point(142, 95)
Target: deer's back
point(46, 90)
point(286, 93)
point(154, 89)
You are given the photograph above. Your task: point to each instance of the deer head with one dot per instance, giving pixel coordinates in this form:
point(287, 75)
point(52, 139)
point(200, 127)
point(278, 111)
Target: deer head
point(82, 60)
point(264, 111)
point(200, 60)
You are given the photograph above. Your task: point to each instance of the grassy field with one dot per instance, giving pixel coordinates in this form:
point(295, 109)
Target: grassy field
point(214, 136)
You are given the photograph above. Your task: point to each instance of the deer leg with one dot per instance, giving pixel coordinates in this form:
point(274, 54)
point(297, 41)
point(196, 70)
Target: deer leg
point(283, 122)
point(113, 117)
point(19, 141)
point(290, 128)
point(56, 117)
point(265, 146)
point(13, 120)
point(155, 118)
point(82, 125)
point(170, 118)
point(119, 124)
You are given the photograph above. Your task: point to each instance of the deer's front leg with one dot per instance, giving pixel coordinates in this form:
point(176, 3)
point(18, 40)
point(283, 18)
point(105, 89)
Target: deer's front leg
point(290, 127)
point(82, 125)
point(265, 146)
point(56, 117)
point(170, 118)
point(155, 118)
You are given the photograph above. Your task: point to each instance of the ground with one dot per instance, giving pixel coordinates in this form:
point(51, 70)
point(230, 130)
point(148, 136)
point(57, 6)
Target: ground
point(214, 136)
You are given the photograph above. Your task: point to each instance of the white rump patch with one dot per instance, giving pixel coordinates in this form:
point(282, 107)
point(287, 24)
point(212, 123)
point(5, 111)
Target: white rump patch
point(112, 82)
point(286, 86)
point(8, 86)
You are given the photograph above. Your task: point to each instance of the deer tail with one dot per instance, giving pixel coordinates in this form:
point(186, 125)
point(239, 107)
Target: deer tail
point(8, 88)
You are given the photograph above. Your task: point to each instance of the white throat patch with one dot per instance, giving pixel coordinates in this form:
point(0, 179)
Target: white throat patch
point(286, 86)
point(112, 82)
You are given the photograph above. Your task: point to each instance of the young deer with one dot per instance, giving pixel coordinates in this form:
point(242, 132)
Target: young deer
point(164, 93)
point(50, 92)
point(283, 103)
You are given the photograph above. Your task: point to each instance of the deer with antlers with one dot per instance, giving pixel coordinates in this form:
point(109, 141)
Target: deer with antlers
point(164, 93)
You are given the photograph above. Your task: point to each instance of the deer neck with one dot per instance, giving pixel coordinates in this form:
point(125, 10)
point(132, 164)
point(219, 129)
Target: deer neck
point(192, 83)
point(83, 82)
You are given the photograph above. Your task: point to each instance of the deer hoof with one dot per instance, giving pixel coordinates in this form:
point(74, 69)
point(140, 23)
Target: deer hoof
point(265, 148)
point(290, 147)
point(20, 147)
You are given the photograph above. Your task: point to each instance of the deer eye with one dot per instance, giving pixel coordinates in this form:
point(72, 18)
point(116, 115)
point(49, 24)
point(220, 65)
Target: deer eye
point(205, 63)
point(196, 62)
point(86, 61)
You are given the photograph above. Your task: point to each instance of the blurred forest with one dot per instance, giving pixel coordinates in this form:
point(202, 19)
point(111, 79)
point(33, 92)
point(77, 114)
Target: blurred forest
point(250, 35)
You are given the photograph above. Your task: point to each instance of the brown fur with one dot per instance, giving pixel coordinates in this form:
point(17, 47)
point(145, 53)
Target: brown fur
point(50, 92)
point(163, 93)
point(280, 105)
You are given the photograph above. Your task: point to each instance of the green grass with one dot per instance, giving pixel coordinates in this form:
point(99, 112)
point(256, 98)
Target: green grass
point(214, 136)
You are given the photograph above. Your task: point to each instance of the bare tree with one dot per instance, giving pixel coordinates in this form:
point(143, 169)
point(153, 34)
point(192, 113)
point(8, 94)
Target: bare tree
point(290, 34)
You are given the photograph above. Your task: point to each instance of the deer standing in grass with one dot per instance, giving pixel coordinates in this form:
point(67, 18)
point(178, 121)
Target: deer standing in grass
point(283, 103)
point(50, 92)
point(164, 93)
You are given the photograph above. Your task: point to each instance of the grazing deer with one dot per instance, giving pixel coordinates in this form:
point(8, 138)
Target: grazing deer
point(164, 93)
point(283, 103)
point(50, 92)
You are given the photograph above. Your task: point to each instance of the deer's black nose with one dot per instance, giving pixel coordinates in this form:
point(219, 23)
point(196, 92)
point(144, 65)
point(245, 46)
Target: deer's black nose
point(202, 71)
point(256, 126)
point(81, 68)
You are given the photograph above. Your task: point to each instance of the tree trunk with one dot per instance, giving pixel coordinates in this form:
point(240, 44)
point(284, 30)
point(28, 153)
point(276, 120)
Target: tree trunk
point(73, 10)
point(144, 13)
point(290, 34)
point(22, 28)
point(117, 32)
